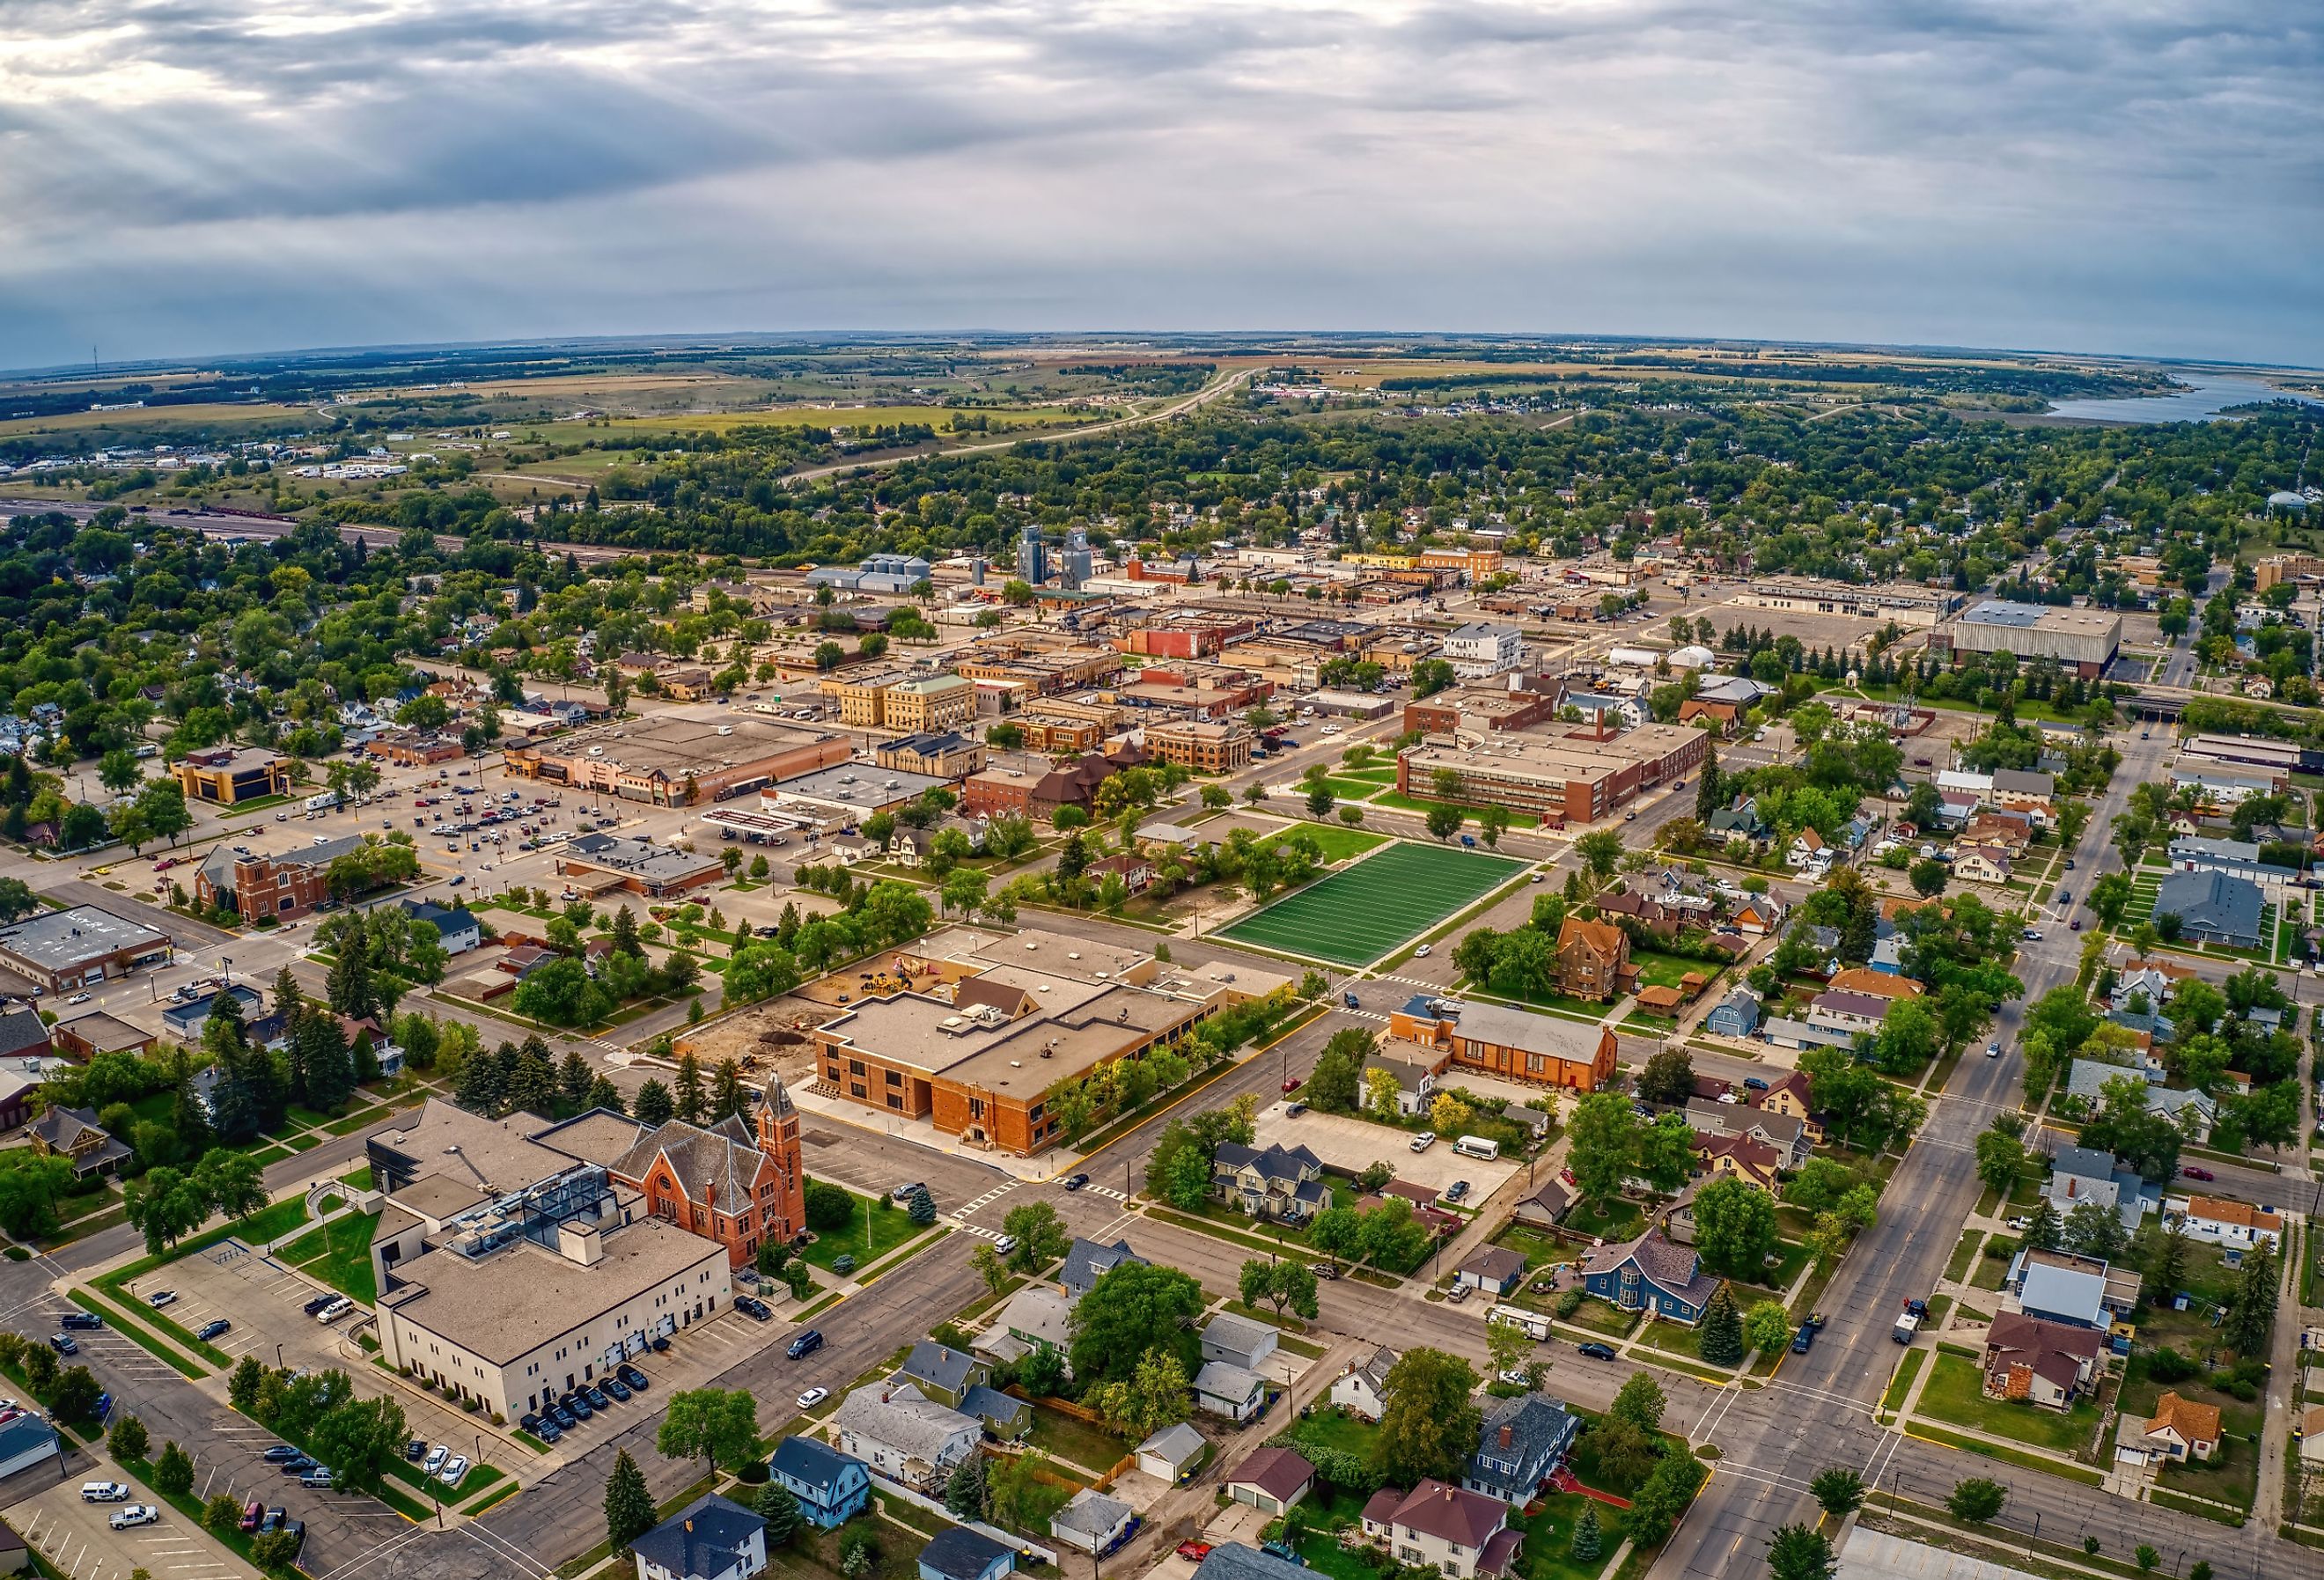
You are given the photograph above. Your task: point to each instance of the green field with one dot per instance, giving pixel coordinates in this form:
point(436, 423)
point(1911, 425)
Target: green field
point(1356, 916)
point(1338, 842)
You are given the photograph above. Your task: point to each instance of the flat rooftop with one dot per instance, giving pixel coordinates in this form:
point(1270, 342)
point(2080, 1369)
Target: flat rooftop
point(2041, 617)
point(1058, 953)
point(58, 940)
point(1568, 757)
point(510, 1302)
point(1036, 1053)
point(680, 743)
point(925, 1033)
point(858, 784)
point(482, 1158)
point(661, 863)
point(598, 1136)
point(105, 1033)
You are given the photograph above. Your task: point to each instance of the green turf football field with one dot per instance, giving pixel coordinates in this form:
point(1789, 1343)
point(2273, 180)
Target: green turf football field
point(1355, 917)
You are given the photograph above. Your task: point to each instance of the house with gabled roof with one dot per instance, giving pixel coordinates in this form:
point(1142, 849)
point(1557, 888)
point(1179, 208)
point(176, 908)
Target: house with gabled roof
point(1593, 960)
point(2045, 1363)
point(1790, 1094)
point(1361, 1390)
point(1650, 1273)
point(1520, 1446)
point(903, 1435)
point(1271, 1480)
point(2221, 1221)
point(1275, 1182)
point(831, 1487)
point(740, 1181)
point(1771, 1127)
point(1744, 1157)
point(1088, 1260)
point(1736, 1015)
point(1444, 1529)
point(942, 1373)
point(2180, 1429)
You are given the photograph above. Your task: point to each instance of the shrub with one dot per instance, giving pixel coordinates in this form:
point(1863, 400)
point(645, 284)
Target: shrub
point(2165, 1364)
point(1568, 1303)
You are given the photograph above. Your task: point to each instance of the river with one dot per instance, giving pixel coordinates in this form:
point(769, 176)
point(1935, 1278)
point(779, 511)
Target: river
point(2207, 396)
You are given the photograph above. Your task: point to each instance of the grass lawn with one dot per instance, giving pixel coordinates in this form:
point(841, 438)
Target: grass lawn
point(1791, 1255)
point(873, 1229)
point(1657, 970)
point(1618, 1219)
point(339, 1253)
point(1600, 1318)
point(1074, 1441)
point(2231, 1476)
point(1356, 915)
point(1333, 1428)
point(1339, 841)
point(1672, 1339)
point(1902, 1383)
point(1416, 804)
point(1549, 1539)
point(1955, 1393)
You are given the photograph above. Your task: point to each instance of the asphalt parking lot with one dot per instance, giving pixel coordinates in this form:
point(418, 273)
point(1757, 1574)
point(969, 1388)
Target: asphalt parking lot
point(78, 1539)
point(1355, 1144)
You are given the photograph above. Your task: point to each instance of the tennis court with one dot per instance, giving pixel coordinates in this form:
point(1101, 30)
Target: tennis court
point(1354, 917)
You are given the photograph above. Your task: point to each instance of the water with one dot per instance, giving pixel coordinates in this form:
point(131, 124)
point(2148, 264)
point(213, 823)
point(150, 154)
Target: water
point(2207, 396)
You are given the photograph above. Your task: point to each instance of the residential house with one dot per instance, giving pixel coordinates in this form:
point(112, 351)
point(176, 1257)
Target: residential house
point(1279, 1182)
point(1808, 849)
point(1789, 1095)
point(831, 1487)
point(904, 1436)
point(1758, 916)
point(1547, 1204)
point(1004, 1418)
point(74, 1135)
point(1736, 1015)
point(1878, 985)
point(1238, 1341)
point(1136, 872)
point(2217, 1221)
point(1649, 1273)
point(959, 1553)
point(711, 1538)
point(1415, 1083)
point(2213, 907)
point(1593, 960)
point(1520, 1444)
point(1773, 1128)
point(1361, 1389)
point(1271, 1480)
point(2180, 1430)
point(456, 928)
point(1982, 863)
point(1093, 1522)
point(1224, 1389)
point(1495, 1269)
point(1848, 1011)
point(2085, 1174)
point(1172, 1453)
point(2020, 790)
point(2192, 1111)
point(22, 1033)
point(943, 1373)
point(16, 1099)
point(2143, 980)
point(1740, 819)
point(1742, 1158)
point(1035, 1317)
point(2045, 1363)
point(1444, 1529)
point(1088, 1260)
point(1782, 1031)
point(2063, 1286)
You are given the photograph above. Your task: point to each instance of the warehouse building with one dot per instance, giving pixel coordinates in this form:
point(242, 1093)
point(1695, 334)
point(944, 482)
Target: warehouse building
point(2084, 640)
point(680, 759)
point(1566, 779)
point(1905, 602)
point(61, 950)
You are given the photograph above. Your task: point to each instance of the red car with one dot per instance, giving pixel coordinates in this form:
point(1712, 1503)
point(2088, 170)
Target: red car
point(2191, 1173)
point(1196, 1550)
point(1291, 1085)
point(1566, 1174)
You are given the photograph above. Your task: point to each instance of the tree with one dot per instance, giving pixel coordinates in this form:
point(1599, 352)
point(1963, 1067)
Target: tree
point(1601, 851)
point(1624, 1450)
point(29, 1193)
point(1334, 1085)
point(1838, 1490)
point(1133, 1309)
point(1041, 1235)
point(75, 1393)
point(1589, 1537)
point(1976, 1499)
point(1722, 1329)
point(1798, 1553)
point(127, 1440)
point(691, 1102)
point(1668, 1078)
point(1602, 1143)
point(173, 1472)
point(2251, 1310)
point(1507, 1346)
point(2000, 1161)
point(1428, 1425)
point(1929, 878)
point(714, 1422)
point(1154, 1395)
point(629, 1503)
point(1444, 821)
point(1769, 1327)
point(2148, 1558)
point(1640, 1402)
point(1656, 1509)
point(965, 1496)
point(779, 1507)
point(1734, 1228)
point(165, 1205)
point(234, 1183)
point(653, 1106)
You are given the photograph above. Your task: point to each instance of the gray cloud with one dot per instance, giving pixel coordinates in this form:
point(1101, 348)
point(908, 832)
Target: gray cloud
point(218, 175)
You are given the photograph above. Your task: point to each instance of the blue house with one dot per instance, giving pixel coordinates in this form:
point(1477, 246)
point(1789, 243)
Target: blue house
point(1520, 1445)
point(832, 1488)
point(1650, 1274)
point(1736, 1015)
point(958, 1553)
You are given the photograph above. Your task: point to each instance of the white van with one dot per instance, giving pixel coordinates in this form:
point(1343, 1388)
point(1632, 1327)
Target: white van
point(1535, 1324)
point(1477, 1147)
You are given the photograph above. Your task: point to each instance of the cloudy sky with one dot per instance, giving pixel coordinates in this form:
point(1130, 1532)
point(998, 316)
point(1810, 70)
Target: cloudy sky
point(180, 177)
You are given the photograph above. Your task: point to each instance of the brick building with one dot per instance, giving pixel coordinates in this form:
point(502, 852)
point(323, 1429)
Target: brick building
point(285, 884)
point(1543, 1049)
point(739, 1182)
point(1206, 748)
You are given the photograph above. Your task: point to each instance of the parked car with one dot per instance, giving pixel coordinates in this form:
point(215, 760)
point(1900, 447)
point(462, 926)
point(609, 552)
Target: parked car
point(212, 1328)
point(1423, 1140)
point(904, 1193)
point(413, 1450)
point(161, 1298)
point(1005, 1244)
point(1457, 1191)
point(104, 1492)
point(813, 1397)
point(1803, 1340)
point(283, 1453)
point(298, 1466)
point(320, 1477)
point(1294, 1110)
point(1327, 1270)
point(454, 1470)
point(62, 1342)
point(599, 1399)
point(1294, 1083)
point(805, 1344)
point(83, 1320)
point(1276, 1549)
point(1756, 1083)
point(578, 1403)
point(633, 1377)
point(2192, 1172)
point(135, 1515)
point(319, 1301)
point(435, 1460)
point(549, 1431)
point(564, 1417)
point(617, 1388)
point(1195, 1551)
point(252, 1513)
point(1596, 1351)
point(754, 1309)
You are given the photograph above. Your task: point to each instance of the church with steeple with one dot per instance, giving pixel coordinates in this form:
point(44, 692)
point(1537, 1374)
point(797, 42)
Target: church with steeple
point(739, 1181)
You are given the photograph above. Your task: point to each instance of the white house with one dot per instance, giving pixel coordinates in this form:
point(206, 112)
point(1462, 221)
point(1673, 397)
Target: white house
point(905, 1435)
point(1224, 1389)
point(2217, 1221)
point(1361, 1388)
point(1480, 650)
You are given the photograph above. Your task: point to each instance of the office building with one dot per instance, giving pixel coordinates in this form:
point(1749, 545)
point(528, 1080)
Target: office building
point(58, 950)
point(680, 759)
point(227, 776)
